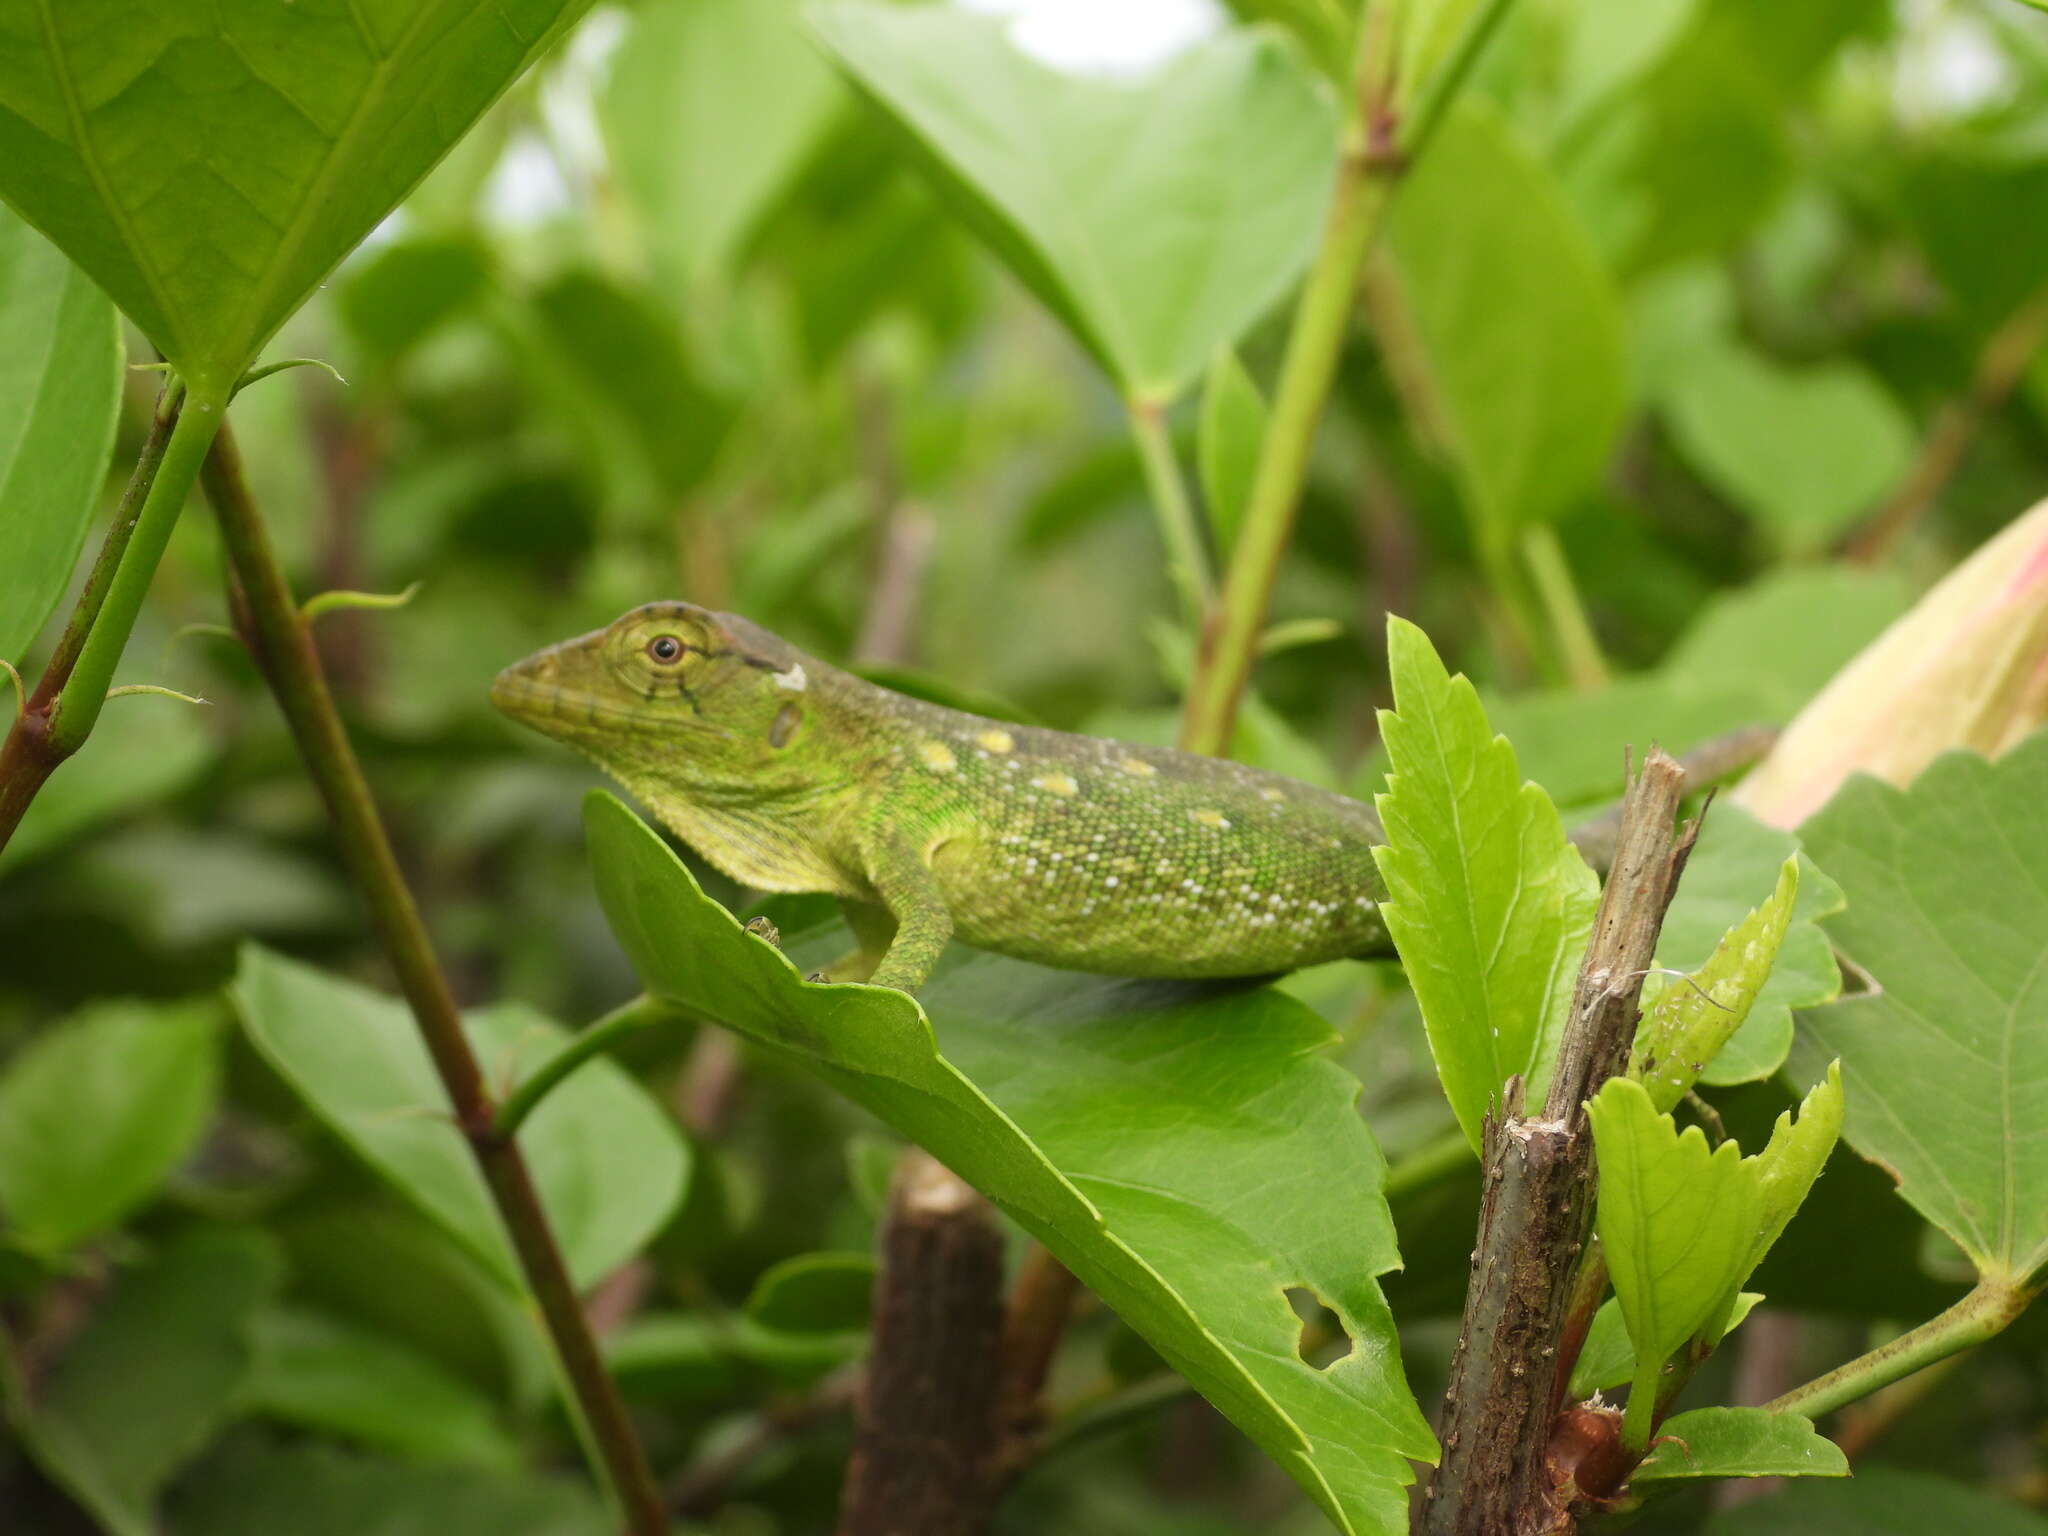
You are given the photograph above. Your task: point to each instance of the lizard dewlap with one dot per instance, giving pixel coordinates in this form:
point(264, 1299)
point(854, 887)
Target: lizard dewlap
point(791, 775)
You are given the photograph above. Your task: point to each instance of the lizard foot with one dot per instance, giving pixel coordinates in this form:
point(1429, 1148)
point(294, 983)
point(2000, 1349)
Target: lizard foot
point(761, 928)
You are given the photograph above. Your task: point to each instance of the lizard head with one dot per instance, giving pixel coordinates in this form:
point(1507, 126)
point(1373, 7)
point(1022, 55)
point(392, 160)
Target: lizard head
point(669, 692)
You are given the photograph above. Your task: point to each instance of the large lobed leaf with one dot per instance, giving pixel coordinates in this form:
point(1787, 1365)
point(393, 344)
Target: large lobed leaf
point(209, 164)
point(1157, 220)
point(60, 395)
point(609, 1165)
point(1487, 903)
point(1186, 1151)
point(1947, 1060)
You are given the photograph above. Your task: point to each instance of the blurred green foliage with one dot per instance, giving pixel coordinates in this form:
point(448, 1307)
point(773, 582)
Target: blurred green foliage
point(1696, 291)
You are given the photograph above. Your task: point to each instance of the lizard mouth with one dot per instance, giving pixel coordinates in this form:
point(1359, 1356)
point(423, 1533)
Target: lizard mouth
point(535, 693)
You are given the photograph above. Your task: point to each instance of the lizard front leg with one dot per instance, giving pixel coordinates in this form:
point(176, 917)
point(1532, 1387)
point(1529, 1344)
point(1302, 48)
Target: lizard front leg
point(910, 891)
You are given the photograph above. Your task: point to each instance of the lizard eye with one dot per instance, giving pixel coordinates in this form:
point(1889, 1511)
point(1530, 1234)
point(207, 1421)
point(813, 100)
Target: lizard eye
point(665, 649)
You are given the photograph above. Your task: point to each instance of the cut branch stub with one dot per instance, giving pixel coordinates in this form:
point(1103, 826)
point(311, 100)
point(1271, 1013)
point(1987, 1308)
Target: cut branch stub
point(1513, 1354)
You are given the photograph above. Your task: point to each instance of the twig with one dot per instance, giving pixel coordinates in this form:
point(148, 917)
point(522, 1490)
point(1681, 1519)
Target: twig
point(33, 749)
point(1041, 1301)
point(1513, 1354)
point(927, 1434)
point(282, 644)
point(708, 1482)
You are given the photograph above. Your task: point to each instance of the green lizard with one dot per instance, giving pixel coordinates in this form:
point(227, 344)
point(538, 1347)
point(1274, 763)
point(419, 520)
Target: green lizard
point(931, 824)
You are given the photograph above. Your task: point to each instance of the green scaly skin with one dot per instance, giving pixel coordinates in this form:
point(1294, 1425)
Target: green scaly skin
point(931, 824)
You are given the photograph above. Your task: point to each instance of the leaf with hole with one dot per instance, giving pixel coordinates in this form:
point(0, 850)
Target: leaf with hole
point(1184, 1149)
point(1158, 220)
point(1486, 901)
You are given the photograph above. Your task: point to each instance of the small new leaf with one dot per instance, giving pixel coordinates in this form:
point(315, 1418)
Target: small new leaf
point(1678, 1220)
point(1695, 1016)
point(1487, 903)
point(1740, 1442)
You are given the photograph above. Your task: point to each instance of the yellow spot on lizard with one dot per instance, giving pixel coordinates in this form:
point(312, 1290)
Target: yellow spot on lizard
point(997, 741)
point(1137, 767)
point(1057, 784)
point(1209, 818)
point(936, 755)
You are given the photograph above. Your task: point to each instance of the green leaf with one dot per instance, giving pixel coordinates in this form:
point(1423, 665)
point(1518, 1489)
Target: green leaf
point(395, 298)
point(1878, 1501)
point(1947, 907)
point(97, 1112)
point(624, 353)
point(1694, 1016)
point(1185, 1150)
point(60, 396)
point(1157, 220)
point(1677, 1220)
point(317, 1371)
point(708, 113)
point(1517, 324)
point(1607, 1359)
point(1741, 1442)
point(1754, 656)
point(253, 1487)
point(1804, 450)
point(209, 165)
point(609, 1165)
point(1793, 1158)
point(1487, 903)
point(815, 1293)
point(152, 1377)
point(1233, 424)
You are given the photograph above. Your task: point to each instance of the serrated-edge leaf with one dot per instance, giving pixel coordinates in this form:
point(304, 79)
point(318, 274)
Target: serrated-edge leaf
point(1677, 1220)
point(1695, 1016)
point(1488, 903)
point(1351, 1427)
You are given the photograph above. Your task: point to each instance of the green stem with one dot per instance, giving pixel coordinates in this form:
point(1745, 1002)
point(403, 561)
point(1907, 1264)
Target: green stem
point(1984, 1312)
point(1450, 78)
point(283, 646)
point(1366, 174)
point(1571, 631)
point(31, 753)
point(77, 707)
point(1174, 509)
point(626, 1019)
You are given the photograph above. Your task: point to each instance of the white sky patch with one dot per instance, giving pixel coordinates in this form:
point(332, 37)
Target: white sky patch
point(1125, 37)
